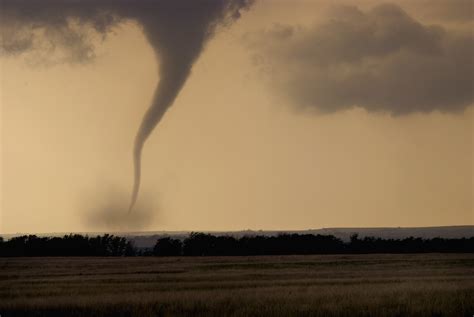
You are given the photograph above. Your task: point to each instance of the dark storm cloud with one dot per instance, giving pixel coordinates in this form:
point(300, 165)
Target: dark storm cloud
point(177, 30)
point(448, 10)
point(53, 25)
point(381, 60)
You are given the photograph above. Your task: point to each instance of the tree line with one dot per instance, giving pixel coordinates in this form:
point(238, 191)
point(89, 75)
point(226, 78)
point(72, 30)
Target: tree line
point(68, 245)
point(202, 244)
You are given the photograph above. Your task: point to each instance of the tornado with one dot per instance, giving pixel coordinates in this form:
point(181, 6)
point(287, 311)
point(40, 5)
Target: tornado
point(172, 79)
point(177, 44)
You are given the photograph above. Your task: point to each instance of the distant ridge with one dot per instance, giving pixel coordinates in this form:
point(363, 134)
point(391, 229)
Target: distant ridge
point(147, 239)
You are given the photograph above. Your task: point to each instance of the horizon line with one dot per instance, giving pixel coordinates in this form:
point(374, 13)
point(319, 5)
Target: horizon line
point(230, 231)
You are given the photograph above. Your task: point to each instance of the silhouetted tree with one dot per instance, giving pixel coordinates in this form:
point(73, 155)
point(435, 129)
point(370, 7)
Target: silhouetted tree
point(167, 247)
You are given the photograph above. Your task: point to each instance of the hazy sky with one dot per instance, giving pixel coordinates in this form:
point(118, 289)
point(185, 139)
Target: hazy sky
point(300, 114)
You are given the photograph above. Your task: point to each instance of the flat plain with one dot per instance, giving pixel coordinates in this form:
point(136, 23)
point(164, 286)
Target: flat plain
point(312, 285)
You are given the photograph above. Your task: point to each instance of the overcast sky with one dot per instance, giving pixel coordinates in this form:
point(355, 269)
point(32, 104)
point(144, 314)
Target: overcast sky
point(296, 115)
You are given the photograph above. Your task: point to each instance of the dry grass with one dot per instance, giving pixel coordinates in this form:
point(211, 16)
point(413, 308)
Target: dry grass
point(330, 285)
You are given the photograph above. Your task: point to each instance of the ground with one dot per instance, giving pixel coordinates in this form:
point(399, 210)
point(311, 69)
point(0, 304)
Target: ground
point(314, 285)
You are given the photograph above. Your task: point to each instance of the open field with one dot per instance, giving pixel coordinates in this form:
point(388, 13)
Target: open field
point(321, 285)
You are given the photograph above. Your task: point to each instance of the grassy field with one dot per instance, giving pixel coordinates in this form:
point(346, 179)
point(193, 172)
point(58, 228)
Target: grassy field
point(325, 285)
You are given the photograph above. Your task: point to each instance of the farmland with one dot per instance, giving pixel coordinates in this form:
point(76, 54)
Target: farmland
point(312, 285)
